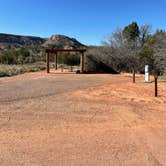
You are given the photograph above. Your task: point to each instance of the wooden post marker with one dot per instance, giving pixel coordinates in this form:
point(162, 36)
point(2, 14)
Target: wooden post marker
point(133, 76)
point(155, 83)
point(147, 74)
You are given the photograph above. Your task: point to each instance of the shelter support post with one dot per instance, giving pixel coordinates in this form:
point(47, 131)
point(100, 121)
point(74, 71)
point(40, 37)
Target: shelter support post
point(56, 59)
point(48, 62)
point(82, 63)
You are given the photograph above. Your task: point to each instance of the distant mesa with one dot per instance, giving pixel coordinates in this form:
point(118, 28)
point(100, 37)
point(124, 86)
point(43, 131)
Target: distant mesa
point(63, 42)
point(10, 41)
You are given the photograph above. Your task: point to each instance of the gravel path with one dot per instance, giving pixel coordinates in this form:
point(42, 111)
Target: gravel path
point(22, 87)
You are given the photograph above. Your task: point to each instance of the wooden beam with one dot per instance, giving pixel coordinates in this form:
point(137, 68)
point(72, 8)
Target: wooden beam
point(64, 50)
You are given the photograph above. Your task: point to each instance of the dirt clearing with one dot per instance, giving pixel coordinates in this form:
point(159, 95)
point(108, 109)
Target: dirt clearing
point(69, 119)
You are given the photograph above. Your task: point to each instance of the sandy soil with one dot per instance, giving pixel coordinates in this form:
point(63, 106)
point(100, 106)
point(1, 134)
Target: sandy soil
point(75, 120)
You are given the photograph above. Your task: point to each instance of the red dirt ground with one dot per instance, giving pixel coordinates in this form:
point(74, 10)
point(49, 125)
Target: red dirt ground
point(69, 119)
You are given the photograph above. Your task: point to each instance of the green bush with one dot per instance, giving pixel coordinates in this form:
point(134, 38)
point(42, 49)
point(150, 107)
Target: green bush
point(20, 56)
point(69, 59)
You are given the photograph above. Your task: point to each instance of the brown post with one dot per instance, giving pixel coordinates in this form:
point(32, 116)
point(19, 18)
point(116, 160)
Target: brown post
point(133, 75)
point(82, 62)
point(48, 62)
point(56, 56)
point(155, 83)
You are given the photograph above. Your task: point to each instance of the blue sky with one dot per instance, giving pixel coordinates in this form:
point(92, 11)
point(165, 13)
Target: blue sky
point(89, 21)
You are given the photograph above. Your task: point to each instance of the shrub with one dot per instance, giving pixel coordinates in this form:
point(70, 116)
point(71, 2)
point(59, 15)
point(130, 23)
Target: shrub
point(69, 59)
point(10, 70)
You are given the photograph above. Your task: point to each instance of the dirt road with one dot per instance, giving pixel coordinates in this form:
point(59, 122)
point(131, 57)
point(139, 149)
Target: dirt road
point(69, 119)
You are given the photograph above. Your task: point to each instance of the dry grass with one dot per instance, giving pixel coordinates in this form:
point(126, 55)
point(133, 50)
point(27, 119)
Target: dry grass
point(10, 70)
point(162, 78)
